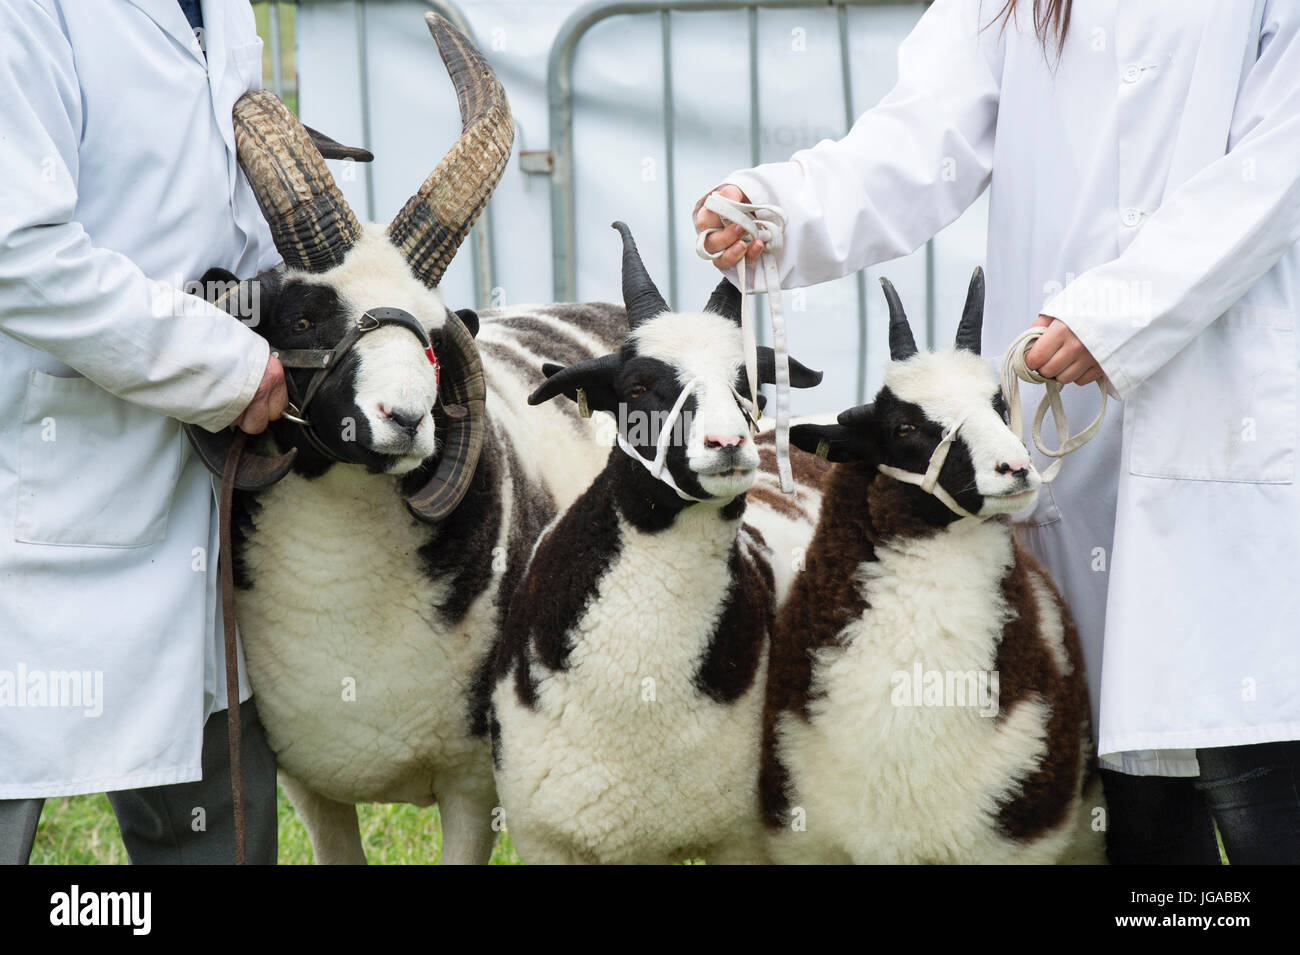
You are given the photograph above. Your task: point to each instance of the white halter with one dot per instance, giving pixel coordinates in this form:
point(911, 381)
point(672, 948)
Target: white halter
point(769, 231)
point(929, 481)
point(1014, 370)
point(656, 467)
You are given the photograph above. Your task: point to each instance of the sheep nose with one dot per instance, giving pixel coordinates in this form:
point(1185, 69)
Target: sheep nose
point(406, 420)
point(728, 443)
point(1018, 469)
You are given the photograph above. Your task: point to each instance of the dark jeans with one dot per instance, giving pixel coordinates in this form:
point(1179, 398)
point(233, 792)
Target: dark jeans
point(1252, 792)
point(159, 823)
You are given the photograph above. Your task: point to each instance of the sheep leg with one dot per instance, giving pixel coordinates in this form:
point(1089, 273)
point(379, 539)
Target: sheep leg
point(467, 833)
point(332, 826)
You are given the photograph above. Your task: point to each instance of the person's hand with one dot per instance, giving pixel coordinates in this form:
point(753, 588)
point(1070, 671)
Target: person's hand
point(732, 238)
point(1060, 355)
point(269, 401)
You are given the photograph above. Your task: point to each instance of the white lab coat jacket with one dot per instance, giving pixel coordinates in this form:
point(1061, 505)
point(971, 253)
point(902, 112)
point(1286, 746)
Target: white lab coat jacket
point(1146, 191)
point(120, 184)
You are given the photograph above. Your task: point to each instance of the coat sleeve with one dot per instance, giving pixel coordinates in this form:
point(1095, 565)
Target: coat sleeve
point(908, 167)
point(1211, 238)
point(92, 308)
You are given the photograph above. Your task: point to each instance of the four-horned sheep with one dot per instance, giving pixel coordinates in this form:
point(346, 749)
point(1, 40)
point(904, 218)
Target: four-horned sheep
point(926, 696)
point(630, 679)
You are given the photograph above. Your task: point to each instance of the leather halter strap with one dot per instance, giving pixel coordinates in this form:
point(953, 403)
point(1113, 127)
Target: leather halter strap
point(325, 360)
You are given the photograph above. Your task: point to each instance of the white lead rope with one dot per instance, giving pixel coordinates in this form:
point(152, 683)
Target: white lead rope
point(1014, 370)
point(765, 223)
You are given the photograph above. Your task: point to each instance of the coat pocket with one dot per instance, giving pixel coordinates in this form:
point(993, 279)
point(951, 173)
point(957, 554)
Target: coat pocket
point(1224, 408)
point(93, 470)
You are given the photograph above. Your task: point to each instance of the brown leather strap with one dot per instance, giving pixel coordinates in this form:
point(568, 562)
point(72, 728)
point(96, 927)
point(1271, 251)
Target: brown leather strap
point(226, 569)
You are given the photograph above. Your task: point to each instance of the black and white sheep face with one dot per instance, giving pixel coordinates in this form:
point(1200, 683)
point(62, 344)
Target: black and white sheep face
point(988, 470)
point(928, 398)
point(375, 407)
point(711, 452)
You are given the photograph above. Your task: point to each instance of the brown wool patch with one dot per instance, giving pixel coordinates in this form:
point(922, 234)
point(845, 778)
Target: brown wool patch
point(823, 599)
point(1026, 671)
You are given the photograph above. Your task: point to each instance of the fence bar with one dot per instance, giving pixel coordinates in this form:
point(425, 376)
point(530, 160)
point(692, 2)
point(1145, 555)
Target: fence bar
point(671, 166)
point(277, 66)
point(363, 74)
point(560, 94)
point(929, 294)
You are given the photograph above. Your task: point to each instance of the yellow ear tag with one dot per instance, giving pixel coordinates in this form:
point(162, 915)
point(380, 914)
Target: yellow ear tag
point(823, 448)
point(584, 410)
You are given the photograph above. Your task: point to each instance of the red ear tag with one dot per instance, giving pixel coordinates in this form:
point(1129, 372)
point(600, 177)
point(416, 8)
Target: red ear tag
point(437, 369)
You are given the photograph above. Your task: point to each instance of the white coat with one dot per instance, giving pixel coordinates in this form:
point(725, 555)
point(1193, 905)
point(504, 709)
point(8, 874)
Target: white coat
point(120, 184)
point(1146, 191)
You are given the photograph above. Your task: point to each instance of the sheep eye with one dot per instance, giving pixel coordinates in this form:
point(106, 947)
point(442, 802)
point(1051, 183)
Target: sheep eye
point(903, 430)
point(301, 325)
point(636, 391)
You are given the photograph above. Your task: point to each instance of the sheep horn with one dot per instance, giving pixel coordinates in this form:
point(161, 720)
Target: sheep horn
point(434, 222)
point(901, 343)
point(463, 397)
point(640, 297)
point(310, 221)
point(725, 301)
point(972, 316)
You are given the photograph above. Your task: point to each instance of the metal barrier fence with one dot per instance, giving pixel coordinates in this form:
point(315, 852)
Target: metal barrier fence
point(558, 160)
point(560, 93)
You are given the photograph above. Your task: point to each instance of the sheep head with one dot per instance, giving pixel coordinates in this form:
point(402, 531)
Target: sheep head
point(390, 404)
point(710, 453)
point(925, 396)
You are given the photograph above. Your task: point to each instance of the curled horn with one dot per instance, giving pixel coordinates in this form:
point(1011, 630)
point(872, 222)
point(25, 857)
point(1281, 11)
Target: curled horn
point(564, 380)
point(972, 316)
point(725, 301)
point(463, 397)
point(640, 297)
point(434, 222)
point(310, 221)
point(901, 343)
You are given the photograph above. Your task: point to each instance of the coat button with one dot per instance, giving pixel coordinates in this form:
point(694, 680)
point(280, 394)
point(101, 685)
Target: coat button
point(1131, 218)
point(1132, 73)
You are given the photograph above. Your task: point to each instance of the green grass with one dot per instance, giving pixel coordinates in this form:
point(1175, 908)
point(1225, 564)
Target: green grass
point(81, 830)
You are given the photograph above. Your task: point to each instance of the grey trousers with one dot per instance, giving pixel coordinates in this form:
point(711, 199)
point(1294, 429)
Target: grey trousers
point(161, 825)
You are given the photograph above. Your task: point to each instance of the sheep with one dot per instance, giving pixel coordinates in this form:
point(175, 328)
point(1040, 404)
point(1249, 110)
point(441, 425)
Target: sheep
point(629, 682)
point(373, 577)
point(909, 601)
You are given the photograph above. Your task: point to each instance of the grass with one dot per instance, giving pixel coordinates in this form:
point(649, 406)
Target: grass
point(81, 830)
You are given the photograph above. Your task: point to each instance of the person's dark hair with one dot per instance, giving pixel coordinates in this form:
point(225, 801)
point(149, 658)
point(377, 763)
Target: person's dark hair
point(1051, 20)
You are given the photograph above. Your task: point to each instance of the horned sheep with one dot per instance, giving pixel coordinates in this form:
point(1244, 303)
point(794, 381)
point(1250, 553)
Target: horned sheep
point(926, 697)
point(629, 683)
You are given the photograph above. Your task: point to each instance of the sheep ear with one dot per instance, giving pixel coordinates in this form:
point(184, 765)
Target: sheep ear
point(834, 442)
point(469, 318)
point(800, 375)
point(595, 377)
